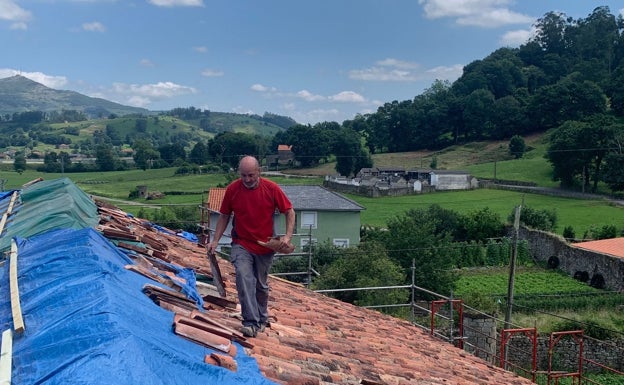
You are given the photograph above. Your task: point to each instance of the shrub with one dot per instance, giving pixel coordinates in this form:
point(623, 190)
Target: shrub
point(568, 233)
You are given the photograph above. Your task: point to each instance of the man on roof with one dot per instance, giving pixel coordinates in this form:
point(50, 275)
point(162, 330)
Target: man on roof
point(252, 201)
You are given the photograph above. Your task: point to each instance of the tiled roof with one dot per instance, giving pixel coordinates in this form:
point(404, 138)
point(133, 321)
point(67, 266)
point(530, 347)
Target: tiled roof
point(613, 246)
point(312, 339)
point(302, 198)
point(215, 197)
point(319, 198)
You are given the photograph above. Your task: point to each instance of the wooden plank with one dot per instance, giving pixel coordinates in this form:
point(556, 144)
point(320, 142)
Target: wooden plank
point(13, 198)
point(16, 307)
point(216, 274)
point(6, 357)
point(9, 211)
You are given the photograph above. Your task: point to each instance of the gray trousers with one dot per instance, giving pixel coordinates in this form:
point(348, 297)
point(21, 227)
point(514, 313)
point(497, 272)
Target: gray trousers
point(252, 271)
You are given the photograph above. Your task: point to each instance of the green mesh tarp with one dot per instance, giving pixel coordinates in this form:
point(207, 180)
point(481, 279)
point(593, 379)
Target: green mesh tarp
point(49, 205)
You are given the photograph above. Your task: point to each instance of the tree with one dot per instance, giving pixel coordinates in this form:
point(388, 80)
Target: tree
point(199, 153)
point(482, 225)
point(477, 113)
point(228, 147)
point(347, 147)
point(309, 144)
point(367, 265)
point(65, 161)
point(104, 157)
point(416, 236)
point(545, 220)
point(509, 118)
point(144, 154)
point(50, 162)
point(170, 153)
point(613, 172)
point(517, 146)
point(572, 98)
point(19, 163)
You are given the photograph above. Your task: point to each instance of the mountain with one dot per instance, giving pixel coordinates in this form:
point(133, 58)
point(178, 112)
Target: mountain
point(20, 94)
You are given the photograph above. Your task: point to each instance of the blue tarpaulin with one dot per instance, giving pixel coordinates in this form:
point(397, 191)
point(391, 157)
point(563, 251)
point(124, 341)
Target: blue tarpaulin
point(87, 320)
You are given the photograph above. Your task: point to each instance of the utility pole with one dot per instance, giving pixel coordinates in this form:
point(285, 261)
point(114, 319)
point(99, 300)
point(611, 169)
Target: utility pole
point(512, 272)
point(512, 266)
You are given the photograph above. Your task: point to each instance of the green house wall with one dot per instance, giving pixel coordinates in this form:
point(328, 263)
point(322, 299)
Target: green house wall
point(330, 225)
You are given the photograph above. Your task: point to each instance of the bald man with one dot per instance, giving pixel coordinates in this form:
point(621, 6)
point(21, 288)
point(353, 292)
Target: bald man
point(253, 201)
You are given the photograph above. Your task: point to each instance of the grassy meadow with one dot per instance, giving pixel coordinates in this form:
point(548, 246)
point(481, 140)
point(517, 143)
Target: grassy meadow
point(481, 159)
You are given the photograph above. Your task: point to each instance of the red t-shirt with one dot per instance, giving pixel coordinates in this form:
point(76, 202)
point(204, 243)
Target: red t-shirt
point(253, 212)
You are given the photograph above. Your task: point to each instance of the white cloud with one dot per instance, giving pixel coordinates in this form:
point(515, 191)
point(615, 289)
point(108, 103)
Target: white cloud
point(493, 18)
point(516, 38)
point(141, 95)
point(242, 110)
point(210, 73)
point(261, 88)
point(445, 72)
point(309, 97)
point(479, 13)
point(381, 74)
point(390, 62)
point(393, 70)
point(95, 26)
point(47, 80)
point(348, 97)
point(316, 115)
point(177, 3)
point(200, 49)
point(146, 63)
point(9, 10)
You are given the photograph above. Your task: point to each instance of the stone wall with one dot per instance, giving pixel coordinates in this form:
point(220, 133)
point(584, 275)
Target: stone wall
point(565, 354)
point(483, 340)
point(480, 337)
point(558, 253)
point(372, 191)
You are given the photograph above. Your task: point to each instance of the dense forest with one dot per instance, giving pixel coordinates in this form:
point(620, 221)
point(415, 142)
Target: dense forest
point(567, 80)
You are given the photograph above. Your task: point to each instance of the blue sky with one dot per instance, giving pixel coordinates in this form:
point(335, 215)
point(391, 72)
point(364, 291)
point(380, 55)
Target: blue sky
point(315, 61)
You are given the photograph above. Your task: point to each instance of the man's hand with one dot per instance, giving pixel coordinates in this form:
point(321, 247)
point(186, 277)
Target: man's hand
point(211, 248)
point(279, 245)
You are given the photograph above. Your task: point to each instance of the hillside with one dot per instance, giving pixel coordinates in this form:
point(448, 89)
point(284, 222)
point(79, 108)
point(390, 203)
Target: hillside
point(476, 157)
point(20, 94)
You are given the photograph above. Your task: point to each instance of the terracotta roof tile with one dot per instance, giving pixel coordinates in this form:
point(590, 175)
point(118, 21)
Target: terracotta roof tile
point(215, 197)
point(315, 339)
point(613, 246)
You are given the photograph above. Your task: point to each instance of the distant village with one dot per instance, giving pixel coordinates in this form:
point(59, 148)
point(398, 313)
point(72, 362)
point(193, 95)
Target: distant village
point(380, 181)
point(383, 181)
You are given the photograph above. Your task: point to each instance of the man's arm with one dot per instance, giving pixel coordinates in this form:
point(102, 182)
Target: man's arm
point(222, 223)
point(289, 216)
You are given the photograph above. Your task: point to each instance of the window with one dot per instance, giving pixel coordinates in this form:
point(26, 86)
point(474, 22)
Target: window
point(308, 219)
point(341, 242)
point(307, 241)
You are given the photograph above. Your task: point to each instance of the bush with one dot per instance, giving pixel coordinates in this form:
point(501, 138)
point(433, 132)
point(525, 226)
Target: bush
point(590, 328)
point(568, 233)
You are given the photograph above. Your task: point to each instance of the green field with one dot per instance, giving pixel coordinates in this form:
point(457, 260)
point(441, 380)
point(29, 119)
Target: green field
point(580, 214)
point(527, 282)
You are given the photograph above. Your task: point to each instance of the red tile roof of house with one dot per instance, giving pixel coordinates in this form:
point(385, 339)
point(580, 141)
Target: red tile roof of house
point(284, 147)
point(215, 197)
point(312, 339)
point(613, 246)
